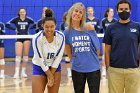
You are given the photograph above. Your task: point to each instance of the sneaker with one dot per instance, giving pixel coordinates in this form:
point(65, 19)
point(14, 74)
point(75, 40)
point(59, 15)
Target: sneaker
point(69, 82)
point(16, 76)
point(23, 75)
point(103, 72)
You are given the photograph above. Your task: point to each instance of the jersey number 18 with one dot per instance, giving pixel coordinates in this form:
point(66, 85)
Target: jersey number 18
point(50, 55)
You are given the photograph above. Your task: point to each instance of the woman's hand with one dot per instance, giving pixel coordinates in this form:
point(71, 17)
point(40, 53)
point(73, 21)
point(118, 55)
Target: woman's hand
point(50, 78)
point(53, 70)
point(16, 31)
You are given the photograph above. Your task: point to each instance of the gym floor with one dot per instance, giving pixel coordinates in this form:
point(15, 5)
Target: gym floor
point(10, 85)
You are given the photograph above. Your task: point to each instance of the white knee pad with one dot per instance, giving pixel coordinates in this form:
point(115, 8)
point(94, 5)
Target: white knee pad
point(18, 58)
point(2, 62)
point(25, 58)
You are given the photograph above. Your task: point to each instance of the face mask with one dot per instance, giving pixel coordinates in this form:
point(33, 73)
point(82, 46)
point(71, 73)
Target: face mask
point(124, 15)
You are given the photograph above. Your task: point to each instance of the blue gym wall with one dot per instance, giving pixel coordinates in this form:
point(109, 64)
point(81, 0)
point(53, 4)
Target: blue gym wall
point(9, 8)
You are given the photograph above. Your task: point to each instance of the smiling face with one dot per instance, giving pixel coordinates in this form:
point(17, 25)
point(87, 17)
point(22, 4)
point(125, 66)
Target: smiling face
point(22, 13)
point(90, 12)
point(77, 14)
point(49, 28)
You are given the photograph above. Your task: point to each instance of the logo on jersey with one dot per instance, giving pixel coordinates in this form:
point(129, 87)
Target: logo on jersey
point(93, 23)
point(133, 30)
point(107, 24)
point(22, 25)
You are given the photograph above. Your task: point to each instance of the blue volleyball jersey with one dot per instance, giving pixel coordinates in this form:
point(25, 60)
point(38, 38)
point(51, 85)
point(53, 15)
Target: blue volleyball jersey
point(2, 31)
point(96, 23)
point(2, 28)
point(84, 45)
point(39, 26)
point(106, 23)
point(63, 27)
point(22, 26)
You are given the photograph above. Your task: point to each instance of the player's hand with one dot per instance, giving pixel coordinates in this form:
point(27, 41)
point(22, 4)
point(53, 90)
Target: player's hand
point(16, 31)
point(50, 80)
point(89, 27)
point(53, 70)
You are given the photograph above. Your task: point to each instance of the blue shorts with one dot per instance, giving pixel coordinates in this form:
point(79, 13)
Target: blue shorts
point(37, 70)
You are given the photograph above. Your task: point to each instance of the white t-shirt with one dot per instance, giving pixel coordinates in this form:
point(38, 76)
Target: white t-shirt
point(48, 54)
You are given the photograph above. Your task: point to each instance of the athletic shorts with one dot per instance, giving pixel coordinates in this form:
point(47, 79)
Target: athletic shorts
point(37, 70)
point(22, 40)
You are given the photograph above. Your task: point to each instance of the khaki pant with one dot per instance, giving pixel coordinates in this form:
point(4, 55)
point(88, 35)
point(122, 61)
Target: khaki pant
point(120, 79)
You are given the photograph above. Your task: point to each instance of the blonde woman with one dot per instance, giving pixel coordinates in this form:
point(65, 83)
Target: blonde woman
point(82, 47)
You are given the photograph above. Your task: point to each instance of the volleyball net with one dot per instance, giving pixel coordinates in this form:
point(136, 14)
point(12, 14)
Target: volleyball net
point(9, 43)
point(16, 36)
point(28, 36)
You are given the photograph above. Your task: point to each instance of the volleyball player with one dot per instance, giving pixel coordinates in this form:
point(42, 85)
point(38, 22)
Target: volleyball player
point(108, 20)
point(48, 46)
point(2, 61)
point(22, 24)
point(39, 23)
point(82, 47)
point(63, 27)
point(91, 19)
